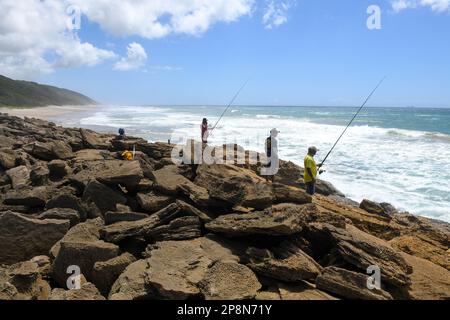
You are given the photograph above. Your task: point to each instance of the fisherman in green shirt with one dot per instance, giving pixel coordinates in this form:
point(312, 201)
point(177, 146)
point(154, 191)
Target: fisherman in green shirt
point(311, 171)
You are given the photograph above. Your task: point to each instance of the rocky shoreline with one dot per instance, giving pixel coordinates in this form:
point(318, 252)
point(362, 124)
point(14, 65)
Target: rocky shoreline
point(149, 229)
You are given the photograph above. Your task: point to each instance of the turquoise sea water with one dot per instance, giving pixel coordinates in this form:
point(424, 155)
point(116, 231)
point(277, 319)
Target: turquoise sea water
point(397, 155)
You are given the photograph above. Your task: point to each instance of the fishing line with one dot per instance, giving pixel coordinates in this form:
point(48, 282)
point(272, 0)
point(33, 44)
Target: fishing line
point(353, 119)
point(229, 105)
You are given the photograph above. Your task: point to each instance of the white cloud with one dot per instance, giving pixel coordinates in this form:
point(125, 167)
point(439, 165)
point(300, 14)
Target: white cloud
point(34, 40)
point(276, 13)
point(159, 18)
point(136, 58)
point(435, 5)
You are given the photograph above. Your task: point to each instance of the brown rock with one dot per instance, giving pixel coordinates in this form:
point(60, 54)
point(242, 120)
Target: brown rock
point(105, 273)
point(183, 228)
point(175, 268)
point(61, 214)
point(82, 254)
point(279, 220)
point(20, 176)
point(229, 281)
point(119, 231)
point(285, 262)
point(102, 196)
point(428, 281)
point(150, 202)
point(87, 292)
point(348, 284)
point(22, 238)
point(131, 284)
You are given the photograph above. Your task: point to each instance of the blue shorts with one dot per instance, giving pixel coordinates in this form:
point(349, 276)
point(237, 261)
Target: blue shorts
point(310, 188)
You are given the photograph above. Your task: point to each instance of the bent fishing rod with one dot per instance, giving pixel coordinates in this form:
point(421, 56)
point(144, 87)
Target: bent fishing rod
point(353, 119)
point(229, 105)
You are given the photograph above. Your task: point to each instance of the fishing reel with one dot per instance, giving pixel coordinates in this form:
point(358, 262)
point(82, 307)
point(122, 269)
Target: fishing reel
point(321, 169)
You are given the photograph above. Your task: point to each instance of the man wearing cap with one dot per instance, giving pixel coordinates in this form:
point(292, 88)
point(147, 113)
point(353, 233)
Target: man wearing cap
point(310, 171)
point(272, 155)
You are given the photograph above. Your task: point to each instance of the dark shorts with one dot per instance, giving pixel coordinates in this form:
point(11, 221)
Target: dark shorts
point(310, 188)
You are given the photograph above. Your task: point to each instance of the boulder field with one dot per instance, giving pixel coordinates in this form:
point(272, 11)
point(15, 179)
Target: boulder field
point(72, 212)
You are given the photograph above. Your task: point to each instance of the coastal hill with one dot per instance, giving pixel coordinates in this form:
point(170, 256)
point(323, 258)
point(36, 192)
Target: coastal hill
point(150, 229)
point(14, 93)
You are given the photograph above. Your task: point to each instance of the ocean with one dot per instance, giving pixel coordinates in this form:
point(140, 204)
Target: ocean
point(395, 155)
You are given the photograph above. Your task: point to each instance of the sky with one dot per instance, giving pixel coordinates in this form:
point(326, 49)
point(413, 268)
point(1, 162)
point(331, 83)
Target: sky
point(200, 52)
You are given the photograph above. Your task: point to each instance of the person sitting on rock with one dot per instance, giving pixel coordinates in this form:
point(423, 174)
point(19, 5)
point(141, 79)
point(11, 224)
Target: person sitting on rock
point(121, 135)
point(127, 155)
point(310, 173)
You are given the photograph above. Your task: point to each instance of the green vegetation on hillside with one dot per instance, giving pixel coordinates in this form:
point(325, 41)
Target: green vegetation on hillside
point(30, 94)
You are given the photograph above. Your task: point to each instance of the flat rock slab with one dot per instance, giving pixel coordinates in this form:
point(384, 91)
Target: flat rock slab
point(285, 262)
point(22, 238)
point(428, 281)
point(348, 284)
point(235, 186)
point(279, 220)
point(363, 250)
point(119, 231)
point(110, 172)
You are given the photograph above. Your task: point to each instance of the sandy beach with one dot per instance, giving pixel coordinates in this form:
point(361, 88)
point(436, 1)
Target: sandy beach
point(46, 113)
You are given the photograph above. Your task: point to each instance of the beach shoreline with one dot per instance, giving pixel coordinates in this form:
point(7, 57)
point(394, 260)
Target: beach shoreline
point(46, 113)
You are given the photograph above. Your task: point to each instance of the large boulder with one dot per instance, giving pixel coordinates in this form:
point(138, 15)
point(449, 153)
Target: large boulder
point(67, 201)
point(229, 281)
point(61, 214)
point(84, 232)
point(105, 198)
point(109, 172)
point(22, 238)
point(39, 174)
point(82, 254)
point(105, 273)
point(50, 150)
point(130, 229)
point(32, 198)
point(20, 176)
point(131, 284)
point(348, 284)
point(168, 180)
point(279, 220)
point(176, 268)
point(373, 207)
point(58, 169)
point(235, 186)
point(285, 262)
point(362, 250)
point(8, 158)
point(93, 140)
point(287, 194)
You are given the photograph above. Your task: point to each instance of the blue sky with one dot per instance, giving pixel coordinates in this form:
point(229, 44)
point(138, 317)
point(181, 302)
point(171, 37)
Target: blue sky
point(306, 53)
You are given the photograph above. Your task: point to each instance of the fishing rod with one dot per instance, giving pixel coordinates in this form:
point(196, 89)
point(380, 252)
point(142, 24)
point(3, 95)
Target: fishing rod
point(353, 119)
point(229, 105)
